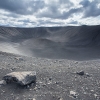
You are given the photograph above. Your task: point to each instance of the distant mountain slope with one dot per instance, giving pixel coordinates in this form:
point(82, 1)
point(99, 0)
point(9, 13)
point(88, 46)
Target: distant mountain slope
point(71, 35)
point(71, 42)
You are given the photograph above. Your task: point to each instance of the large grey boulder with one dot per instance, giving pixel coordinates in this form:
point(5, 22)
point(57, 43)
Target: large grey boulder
point(22, 78)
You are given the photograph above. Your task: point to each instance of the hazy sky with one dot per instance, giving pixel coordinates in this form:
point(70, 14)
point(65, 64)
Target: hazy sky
point(33, 13)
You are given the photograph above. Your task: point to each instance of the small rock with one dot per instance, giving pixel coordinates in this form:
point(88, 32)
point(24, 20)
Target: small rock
point(30, 89)
point(85, 93)
point(39, 88)
point(2, 82)
point(12, 69)
point(19, 58)
point(60, 98)
point(95, 95)
point(76, 62)
point(50, 78)
point(28, 86)
point(35, 88)
point(73, 94)
point(3, 91)
point(33, 99)
point(30, 99)
point(56, 82)
point(80, 73)
point(92, 90)
point(49, 82)
point(87, 74)
point(44, 85)
point(40, 82)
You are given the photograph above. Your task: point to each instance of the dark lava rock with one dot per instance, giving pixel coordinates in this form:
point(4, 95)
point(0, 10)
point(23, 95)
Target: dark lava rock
point(80, 73)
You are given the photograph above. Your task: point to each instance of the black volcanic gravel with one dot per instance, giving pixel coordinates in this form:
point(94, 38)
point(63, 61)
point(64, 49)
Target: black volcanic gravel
point(56, 78)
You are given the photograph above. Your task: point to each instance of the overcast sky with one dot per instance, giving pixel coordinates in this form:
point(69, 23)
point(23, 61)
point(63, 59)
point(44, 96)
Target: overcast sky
point(33, 13)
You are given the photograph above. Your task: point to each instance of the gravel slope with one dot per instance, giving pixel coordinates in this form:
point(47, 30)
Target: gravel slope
point(56, 78)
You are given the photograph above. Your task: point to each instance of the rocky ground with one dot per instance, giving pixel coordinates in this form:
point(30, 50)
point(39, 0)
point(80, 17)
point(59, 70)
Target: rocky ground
point(57, 79)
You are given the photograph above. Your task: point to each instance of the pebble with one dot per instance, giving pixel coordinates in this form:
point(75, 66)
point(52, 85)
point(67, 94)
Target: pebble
point(30, 89)
point(60, 98)
point(40, 82)
point(19, 58)
point(73, 94)
point(80, 73)
point(44, 85)
point(56, 82)
point(92, 90)
point(3, 91)
point(50, 78)
point(2, 82)
point(87, 74)
point(30, 99)
point(95, 95)
point(33, 99)
point(28, 86)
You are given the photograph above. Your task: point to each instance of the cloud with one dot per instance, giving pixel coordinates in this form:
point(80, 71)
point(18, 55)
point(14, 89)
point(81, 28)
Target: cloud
point(32, 13)
point(73, 22)
point(23, 7)
point(90, 8)
point(40, 8)
point(50, 22)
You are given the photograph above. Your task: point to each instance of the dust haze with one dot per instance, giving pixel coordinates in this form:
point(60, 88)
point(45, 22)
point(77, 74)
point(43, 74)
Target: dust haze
point(71, 42)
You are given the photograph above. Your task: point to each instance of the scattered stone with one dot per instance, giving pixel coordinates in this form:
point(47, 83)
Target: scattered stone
point(76, 62)
point(60, 98)
point(73, 94)
point(80, 73)
point(40, 82)
point(30, 99)
point(28, 86)
point(22, 78)
point(30, 89)
point(56, 82)
point(87, 74)
point(35, 88)
point(39, 88)
point(92, 90)
point(3, 91)
point(85, 93)
point(19, 58)
point(33, 99)
point(49, 82)
point(95, 95)
point(44, 85)
point(12, 69)
point(2, 82)
point(50, 79)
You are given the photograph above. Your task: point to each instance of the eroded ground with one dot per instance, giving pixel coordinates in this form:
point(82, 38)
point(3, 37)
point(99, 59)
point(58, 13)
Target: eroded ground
point(56, 79)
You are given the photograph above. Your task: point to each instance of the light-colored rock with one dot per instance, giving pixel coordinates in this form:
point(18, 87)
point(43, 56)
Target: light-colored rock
point(60, 98)
point(19, 58)
point(95, 95)
point(22, 78)
point(2, 82)
point(73, 94)
point(33, 99)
